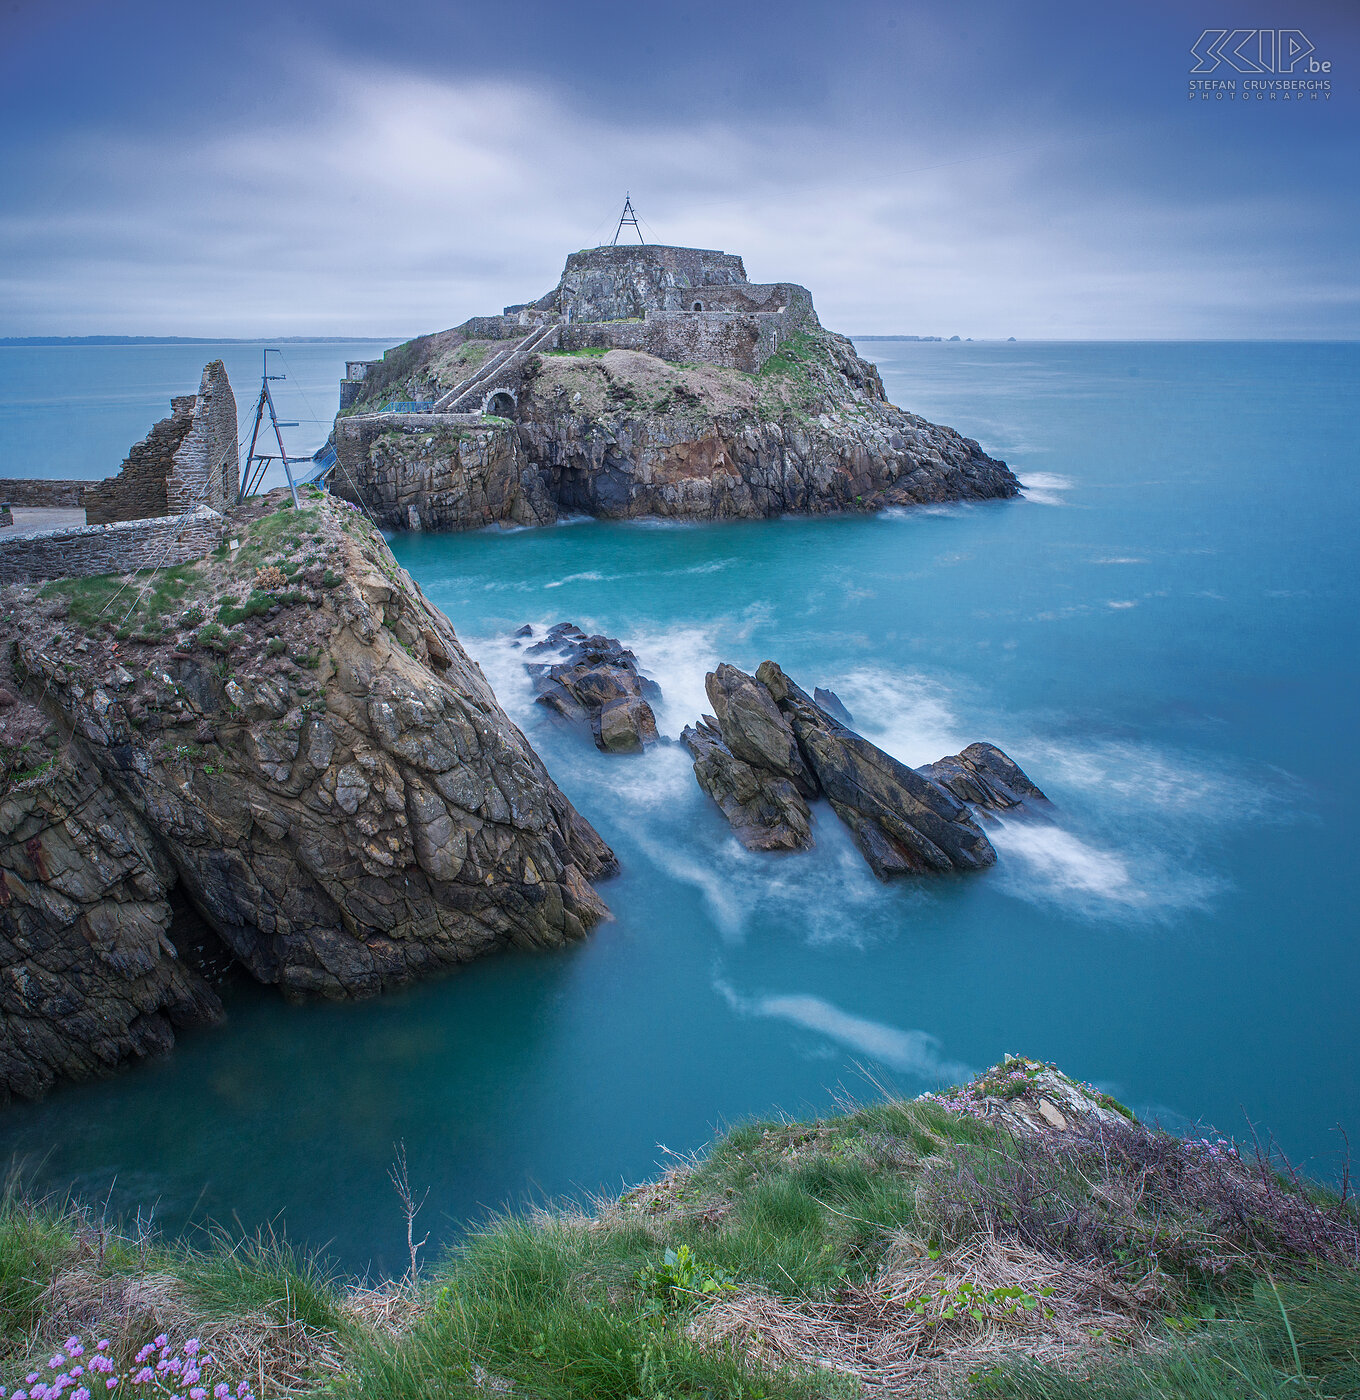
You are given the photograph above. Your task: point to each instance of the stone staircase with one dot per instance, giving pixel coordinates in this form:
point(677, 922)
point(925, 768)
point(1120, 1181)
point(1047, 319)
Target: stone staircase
point(467, 397)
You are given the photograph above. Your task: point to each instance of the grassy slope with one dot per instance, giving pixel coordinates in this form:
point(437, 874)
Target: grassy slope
point(803, 1217)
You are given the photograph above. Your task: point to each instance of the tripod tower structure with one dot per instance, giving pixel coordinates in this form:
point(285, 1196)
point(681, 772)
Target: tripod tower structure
point(629, 216)
point(258, 462)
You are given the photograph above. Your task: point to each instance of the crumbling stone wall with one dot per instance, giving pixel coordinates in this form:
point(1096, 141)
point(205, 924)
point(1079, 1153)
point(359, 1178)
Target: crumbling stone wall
point(110, 549)
point(186, 460)
point(46, 493)
point(206, 469)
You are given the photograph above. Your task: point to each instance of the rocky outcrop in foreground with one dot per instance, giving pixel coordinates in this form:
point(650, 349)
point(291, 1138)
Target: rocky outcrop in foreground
point(288, 736)
point(769, 748)
point(594, 681)
point(625, 434)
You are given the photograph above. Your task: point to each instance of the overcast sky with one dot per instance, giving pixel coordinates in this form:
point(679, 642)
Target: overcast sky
point(980, 168)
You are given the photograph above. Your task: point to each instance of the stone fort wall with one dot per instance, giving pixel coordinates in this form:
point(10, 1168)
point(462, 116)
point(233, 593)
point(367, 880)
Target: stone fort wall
point(111, 549)
point(186, 460)
point(47, 493)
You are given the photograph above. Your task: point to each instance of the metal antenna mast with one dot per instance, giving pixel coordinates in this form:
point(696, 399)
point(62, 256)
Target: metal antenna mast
point(627, 217)
point(266, 400)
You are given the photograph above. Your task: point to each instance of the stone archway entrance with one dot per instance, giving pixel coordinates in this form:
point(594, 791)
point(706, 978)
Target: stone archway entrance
point(698, 306)
point(501, 404)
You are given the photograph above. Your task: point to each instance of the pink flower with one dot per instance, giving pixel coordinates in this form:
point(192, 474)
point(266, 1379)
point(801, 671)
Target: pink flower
point(191, 1347)
point(198, 1393)
point(81, 1394)
point(221, 1391)
point(162, 1340)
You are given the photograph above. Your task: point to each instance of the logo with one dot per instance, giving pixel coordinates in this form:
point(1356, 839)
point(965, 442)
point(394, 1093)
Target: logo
point(1256, 51)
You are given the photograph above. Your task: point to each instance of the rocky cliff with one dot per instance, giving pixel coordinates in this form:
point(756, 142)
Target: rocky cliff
point(620, 433)
point(287, 736)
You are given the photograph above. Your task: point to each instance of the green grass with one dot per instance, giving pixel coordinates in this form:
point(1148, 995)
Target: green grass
point(147, 600)
point(586, 352)
point(227, 1277)
point(562, 1305)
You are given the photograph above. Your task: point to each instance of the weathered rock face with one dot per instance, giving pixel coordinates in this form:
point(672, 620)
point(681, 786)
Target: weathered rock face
point(901, 822)
point(626, 434)
point(596, 682)
point(328, 779)
point(766, 812)
point(88, 974)
point(434, 472)
point(770, 745)
point(985, 777)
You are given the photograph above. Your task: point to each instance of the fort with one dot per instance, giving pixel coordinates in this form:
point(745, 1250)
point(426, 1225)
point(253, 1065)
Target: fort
point(683, 305)
point(165, 506)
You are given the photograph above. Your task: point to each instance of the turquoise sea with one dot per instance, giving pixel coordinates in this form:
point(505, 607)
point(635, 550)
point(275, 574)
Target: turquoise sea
point(1163, 632)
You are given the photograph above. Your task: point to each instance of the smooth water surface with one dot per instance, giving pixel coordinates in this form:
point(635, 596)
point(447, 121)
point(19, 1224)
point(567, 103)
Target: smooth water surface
point(1163, 633)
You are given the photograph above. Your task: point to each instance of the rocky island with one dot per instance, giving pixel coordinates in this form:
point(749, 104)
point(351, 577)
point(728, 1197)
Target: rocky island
point(651, 381)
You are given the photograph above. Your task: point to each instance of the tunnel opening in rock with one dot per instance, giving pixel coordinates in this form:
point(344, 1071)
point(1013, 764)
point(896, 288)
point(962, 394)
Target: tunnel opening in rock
point(698, 306)
point(501, 405)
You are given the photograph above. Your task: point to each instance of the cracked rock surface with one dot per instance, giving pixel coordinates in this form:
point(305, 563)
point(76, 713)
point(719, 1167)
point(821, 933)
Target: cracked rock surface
point(321, 770)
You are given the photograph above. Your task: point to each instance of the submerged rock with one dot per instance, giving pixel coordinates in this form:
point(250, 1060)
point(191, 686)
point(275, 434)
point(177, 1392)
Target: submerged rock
point(322, 771)
point(597, 683)
point(770, 746)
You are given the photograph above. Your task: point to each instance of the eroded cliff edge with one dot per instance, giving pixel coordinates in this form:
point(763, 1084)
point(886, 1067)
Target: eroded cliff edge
point(619, 433)
point(290, 739)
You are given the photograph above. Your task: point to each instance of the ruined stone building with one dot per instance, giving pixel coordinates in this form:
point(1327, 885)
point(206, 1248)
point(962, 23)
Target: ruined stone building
point(185, 461)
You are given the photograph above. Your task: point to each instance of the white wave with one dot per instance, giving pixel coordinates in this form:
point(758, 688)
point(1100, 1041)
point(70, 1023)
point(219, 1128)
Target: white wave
point(1119, 559)
point(906, 714)
point(922, 512)
point(657, 522)
point(579, 519)
point(1046, 488)
point(1129, 776)
point(591, 576)
point(1048, 864)
point(1120, 603)
point(914, 1052)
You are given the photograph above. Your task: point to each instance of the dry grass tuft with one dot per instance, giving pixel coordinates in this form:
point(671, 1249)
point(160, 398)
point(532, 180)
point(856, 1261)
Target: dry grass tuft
point(920, 1321)
point(391, 1309)
point(280, 1357)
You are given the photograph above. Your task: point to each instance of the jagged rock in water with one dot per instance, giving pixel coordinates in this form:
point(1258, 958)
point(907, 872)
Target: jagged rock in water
point(901, 821)
point(831, 703)
point(597, 683)
point(767, 812)
point(985, 777)
point(322, 771)
point(753, 728)
point(769, 747)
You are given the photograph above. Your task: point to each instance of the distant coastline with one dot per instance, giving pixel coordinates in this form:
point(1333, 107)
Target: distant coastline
point(34, 340)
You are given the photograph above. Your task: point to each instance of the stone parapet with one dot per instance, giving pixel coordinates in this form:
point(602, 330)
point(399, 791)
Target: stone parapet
point(47, 493)
point(118, 548)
